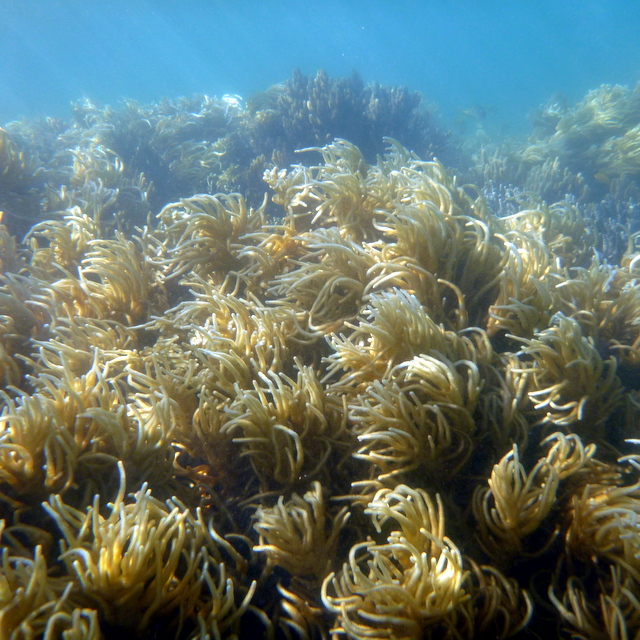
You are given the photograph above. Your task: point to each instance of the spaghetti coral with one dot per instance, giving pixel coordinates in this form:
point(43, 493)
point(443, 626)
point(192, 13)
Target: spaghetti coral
point(144, 560)
point(365, 406)
point(569, 382)
point(405, 587)
point(295, 535)
point(421, 416)
point(416, 584)
point(285, 427)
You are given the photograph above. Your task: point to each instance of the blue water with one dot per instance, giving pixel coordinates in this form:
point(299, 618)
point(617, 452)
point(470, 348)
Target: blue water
point(508, 57)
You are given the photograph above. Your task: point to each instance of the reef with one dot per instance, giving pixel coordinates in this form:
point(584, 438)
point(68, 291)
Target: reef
point(199, 144)
point(587, 153)
point(371, 404)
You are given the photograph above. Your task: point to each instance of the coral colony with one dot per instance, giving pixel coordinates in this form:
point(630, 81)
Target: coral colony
point(341, 393)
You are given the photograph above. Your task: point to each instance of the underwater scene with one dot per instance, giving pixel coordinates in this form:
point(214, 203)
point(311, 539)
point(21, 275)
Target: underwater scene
point(319, 345)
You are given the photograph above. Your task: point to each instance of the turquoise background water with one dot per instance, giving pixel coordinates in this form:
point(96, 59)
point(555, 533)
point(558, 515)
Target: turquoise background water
point(506, 56)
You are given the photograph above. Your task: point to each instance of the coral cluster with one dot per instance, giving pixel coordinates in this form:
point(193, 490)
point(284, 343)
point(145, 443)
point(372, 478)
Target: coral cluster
point(384, 412)
point(305, 112)
point(109, 156)
point(586, 153)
